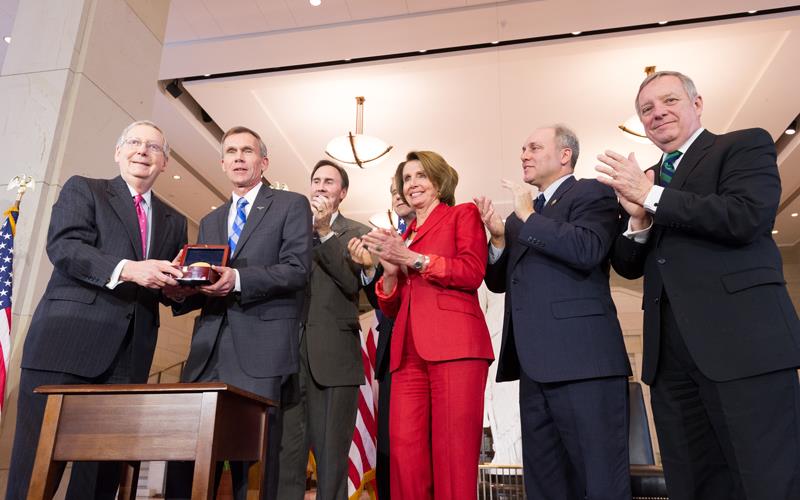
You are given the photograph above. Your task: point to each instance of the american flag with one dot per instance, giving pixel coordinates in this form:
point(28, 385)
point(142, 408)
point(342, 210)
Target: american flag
point(6, 262)
point(361, 473)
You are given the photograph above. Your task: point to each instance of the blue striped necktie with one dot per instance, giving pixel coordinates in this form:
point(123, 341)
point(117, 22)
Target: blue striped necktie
point(668, 167)
point(238, 224)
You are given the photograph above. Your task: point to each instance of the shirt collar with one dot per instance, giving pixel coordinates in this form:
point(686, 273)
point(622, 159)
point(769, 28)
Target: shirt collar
point(551, 189)
point(686, 144)
point(146, 196)
point(250, 196)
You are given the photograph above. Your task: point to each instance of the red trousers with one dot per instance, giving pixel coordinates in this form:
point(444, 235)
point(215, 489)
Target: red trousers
point(435, 426)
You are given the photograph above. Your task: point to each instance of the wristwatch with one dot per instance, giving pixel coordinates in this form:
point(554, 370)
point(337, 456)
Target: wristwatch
point(421, 262)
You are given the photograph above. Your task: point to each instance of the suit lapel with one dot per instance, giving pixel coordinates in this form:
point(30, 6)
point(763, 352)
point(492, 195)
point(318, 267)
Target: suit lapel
point(433, 220)
point(219, 224)
point(257, 211)
point(160, 219)
point(696, 152)
point(560, 191)
point(121, 201)
point(340, 224)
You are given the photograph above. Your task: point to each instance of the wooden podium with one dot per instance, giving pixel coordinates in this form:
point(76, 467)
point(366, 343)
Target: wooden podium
point(204, 423)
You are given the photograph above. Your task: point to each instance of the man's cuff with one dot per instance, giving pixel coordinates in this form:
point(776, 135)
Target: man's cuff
point(494, 253)
point(365, 279)
point(639, 236)
point(652, 199)
point(114, 280)
point(238, 286)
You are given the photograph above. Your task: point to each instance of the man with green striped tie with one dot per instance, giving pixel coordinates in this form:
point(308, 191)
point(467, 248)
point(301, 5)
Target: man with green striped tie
point(721, 336)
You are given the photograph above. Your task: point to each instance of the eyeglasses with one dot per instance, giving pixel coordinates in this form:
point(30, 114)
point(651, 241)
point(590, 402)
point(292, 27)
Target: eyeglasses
point(136, 143)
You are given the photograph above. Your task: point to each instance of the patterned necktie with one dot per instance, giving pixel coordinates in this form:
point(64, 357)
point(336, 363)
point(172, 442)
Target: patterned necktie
point(538, 204)
point(138, 201)
point(238, 224)
point(401, 226)
point(668, 167)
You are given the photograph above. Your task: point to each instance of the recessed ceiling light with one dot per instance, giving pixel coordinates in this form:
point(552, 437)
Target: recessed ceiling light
point(176, 177)
point(423, 51)
point(752, 11)
point(213, 207)
point(792, 128)
point(663, 22)
point(795, 214)
point(206, 75)
point(577, 32)
point(346, 60)
point(315, 3)
point(774, 231)
point(495, 42)
point(7, 39)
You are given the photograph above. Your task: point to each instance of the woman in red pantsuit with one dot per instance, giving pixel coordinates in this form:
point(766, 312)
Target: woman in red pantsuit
point(440, 350)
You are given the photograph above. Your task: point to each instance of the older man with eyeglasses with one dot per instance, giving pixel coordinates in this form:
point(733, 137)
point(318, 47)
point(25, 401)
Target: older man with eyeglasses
point(111, 242)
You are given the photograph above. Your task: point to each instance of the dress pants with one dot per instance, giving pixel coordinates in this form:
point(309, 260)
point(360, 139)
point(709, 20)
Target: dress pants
point(88, 480)
point(382, 474)
point(731, 440)
point(575, 438)
point(322, 419)
point(223, 366)
point(435, 426)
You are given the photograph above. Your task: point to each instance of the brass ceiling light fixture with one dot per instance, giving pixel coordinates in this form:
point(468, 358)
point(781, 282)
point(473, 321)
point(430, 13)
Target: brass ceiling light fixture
point(358, 149)
point(632, 128)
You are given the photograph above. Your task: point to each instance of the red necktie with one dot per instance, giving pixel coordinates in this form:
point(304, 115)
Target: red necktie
point(142, 216)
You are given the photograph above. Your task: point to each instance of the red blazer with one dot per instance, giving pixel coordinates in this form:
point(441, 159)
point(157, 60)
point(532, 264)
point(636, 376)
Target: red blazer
point(440, 306)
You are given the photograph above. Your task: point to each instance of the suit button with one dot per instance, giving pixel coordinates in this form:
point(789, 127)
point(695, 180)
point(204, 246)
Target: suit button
point(530, 239)
point(657, 300)
point(514, 281)
point(662, 261)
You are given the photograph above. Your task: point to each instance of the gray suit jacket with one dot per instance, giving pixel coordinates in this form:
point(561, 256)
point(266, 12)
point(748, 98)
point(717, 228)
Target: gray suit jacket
point(332, 329)
point(79, 324)
point(273, 257)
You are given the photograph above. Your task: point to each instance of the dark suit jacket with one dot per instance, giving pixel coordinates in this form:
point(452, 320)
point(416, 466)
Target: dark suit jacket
point(712, 254)
point(441, 309)
point(79, 324)
point(385, 326)
point(273, 259)
point(332, 328)
point(560, 322)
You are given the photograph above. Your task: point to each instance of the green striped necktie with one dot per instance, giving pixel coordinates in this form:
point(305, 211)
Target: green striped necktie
point(668, 167)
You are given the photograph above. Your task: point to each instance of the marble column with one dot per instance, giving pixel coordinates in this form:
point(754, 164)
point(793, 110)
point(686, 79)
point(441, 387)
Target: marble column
point(75, 74)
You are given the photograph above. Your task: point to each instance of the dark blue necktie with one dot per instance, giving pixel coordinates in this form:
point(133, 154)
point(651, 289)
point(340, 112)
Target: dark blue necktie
point(538, 204)
point(668, 167)
point(401, 226)
point(238, 224)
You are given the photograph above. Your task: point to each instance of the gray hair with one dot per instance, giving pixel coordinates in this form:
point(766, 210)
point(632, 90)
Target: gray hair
point(242, 130)
point(566, 139)
point(124, 134)
point(688, 85)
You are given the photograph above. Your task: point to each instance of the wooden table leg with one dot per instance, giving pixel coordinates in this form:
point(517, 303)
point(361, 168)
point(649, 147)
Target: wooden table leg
point(46, 472)
point(129, 480)
point(262, 462)
point(205, 456)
